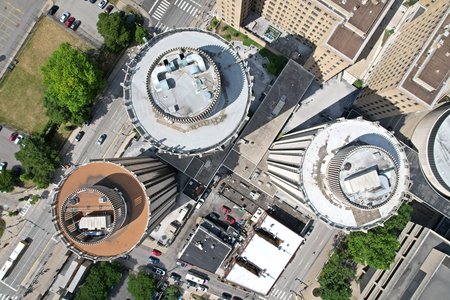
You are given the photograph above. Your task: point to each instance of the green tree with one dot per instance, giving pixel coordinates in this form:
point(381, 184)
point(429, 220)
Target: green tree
point(141, 286)
point(38, 159)
point(140, 34)
point(397, 223)
point(72, 82)
point(115, 32)
point(376, 248)
point(98, 283)
point(336, 277)
point(172, 293)
point(6, 181)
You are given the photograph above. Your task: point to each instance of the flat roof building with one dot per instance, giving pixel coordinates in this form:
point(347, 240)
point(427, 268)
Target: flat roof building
point(187, 92)
point(264, 258)
point(103, 209)
point(421, 269)
point(352, 173)
point(411, 71)
point(206, 248)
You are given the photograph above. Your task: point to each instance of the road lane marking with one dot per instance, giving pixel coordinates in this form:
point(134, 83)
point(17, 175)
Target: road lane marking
point(156, 2)
point(115, 138)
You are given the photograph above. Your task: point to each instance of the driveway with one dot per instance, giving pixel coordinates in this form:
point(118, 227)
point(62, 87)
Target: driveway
point(87, 13)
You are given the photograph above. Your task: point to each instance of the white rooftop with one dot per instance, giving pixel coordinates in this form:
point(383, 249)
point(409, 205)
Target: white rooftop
point(441, 150)
point(325, 144)
point(221, 124)
point(95, 223)
point(267, 257)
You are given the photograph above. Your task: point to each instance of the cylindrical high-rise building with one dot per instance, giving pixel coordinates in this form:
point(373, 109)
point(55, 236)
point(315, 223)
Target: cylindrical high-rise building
point(432, 139)
point(188, 92)
point(352, 173)
point(103, 209)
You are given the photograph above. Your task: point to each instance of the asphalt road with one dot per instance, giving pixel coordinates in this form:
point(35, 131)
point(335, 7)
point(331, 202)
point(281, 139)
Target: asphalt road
point(8, 149)
point(16, 19)
point(171, 14)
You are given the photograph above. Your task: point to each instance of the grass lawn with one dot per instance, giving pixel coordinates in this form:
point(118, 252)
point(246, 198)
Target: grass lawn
point(231, 34)
point(22, 90)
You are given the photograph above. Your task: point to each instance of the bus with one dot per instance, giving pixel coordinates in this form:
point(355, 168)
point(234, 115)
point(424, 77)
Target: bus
point(197, 278)
point(13, 258)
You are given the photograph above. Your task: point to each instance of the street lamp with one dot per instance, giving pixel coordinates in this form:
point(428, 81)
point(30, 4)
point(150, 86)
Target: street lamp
point(299, 295)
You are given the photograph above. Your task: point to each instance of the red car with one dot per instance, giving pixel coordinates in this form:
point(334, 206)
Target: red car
point(156, 252)
point(230, 219)
point(226, 209)
point(13, 136)
point(70, 21)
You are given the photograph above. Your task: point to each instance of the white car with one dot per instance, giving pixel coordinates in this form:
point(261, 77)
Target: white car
point(64, 17)
point(3, 166)
point(18, 139)
point(102, 4)
point(200, 203)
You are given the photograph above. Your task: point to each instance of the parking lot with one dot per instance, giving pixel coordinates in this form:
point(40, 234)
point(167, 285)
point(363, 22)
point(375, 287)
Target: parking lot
point(8, 149)
point(87, 13)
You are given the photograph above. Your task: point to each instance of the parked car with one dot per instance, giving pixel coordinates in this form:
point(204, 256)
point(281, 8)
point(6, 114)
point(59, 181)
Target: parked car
point(226, 296)
point(226, 209)
point(214, 216)
point(1, 127)
point(206, 193)
point(158, 271)
point(18, 139)
point(101, 139)
point(79, 136)
point(156, 252)
point(191, 283)
point(69, 21)
point(53, 10)
point(181, 264)
point(230, 219)
point(3, 166)
point(175, 276)
point(75, 25)
point(153, 260)
point(202, 288)
point(64, 17)
point(102, 4)
point(13, 136)
point(199, 203)
point(92, 1)
point(109, 8)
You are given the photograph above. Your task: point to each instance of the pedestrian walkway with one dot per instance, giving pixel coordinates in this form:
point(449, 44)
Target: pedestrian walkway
point(25, 209)
point(160, 10)
point(8, 297)
point(280, 294)
point(189, 6)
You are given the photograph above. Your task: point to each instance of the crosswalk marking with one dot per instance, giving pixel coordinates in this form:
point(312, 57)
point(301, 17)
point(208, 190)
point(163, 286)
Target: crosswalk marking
point(159, 12)
point(188, 7)
point(25, 209)
point(7, 297)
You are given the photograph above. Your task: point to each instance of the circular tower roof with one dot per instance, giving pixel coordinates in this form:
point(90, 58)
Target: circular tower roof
point(432, 139)
point(102, 209)
point(353, 173)
point(187, 92)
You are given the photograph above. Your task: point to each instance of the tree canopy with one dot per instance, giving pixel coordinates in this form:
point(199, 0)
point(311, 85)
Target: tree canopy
point(72, 82)
point(6, 181)
point(102, 276)
point(374, 248)
point(38, 159)
point(171, 293)
point(336, 276)
point(115, 31)
point(140, 34)
point(141, 286)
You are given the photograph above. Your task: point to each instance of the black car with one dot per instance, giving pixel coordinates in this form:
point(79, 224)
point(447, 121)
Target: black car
point(191, 283)
point(175, 276)
point(214, 216)
point(226, 296)
point(53, 10)
point(206, 193)
point(79, 136)
point(92, 1)
point(75, 24)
